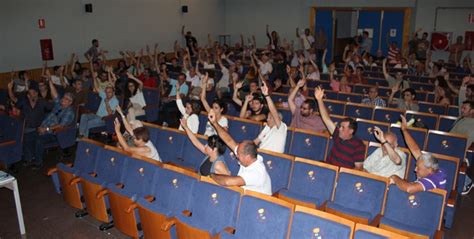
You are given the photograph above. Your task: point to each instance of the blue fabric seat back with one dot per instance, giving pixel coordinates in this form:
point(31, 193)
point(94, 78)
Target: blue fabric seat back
point(349, 97)
point(202, 123)
point(304, 225)
point(453, 111)
point(289, 139)
point(360, 193)
point(335, 107)
point(151, 95)
point(310, 146)
point(362, 234)
point(172, 190)
point(438, 142)
point(278, 168)
point(260, 219)
point(386, 115)
point(365, 130)
point(418, 134)
point(432, 108)
point(232, 162)
point(232, 110)
point(11, 128)
point(361, 89)
point(139, 175)
point(359, 111)
point(286, 114)
point(379, 82)
point(214, 205)
point(86, 156)
point(169, 143)
point(329, 94)
point(93, 101)
point(422, 209)
point(312, 181)
point(241, 130)
point(445, 124)
point(384, 91)
point(429, 120)
point(191, 156)
point(279, 98)
point(110, 166)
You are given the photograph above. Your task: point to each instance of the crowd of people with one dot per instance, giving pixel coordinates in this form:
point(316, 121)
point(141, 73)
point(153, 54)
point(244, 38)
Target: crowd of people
point(248, 77)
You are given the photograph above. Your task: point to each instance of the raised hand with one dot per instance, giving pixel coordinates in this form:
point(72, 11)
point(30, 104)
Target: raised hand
point(379, 135)
point(239, 85)
point(264, 88)
point(212, 116)
point(248, 98)
point(404, 124)
point(184, 123)
point(301, 83)
point(117, 125)
point(318, 93)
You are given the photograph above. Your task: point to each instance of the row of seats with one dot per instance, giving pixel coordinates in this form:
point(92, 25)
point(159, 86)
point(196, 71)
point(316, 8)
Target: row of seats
point(160, 200)
point(281, 167)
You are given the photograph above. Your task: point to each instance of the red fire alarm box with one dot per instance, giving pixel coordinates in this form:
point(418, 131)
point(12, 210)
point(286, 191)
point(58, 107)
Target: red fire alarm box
point(46, 49)
point(469, 41)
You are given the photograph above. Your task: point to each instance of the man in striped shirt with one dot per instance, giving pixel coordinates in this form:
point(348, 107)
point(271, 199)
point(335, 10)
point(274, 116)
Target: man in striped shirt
point(347, 151)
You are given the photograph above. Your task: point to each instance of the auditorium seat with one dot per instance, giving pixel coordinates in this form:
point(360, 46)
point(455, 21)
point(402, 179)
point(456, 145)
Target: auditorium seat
point(278, 167)
point(358, 196)
point(453, 110)
point(414, 215)
point(446, 122)
point(447, 143)
point(329, 94)
point(138, 182)
point(335, 107)
point(349, 97)
point(279, 98)
point(319, 224)
point(361, 111)
point(387, 115)
point(169, 144)
point(171, 195)
point(65, 176)
point(365, 129)
point(211, 210)
point(190, 157)
point(363, 231)
point(243, 129)
point(429, 120)
point(311, 184)
point(418, 134)
point(309, 144)
point(261, 217)
point(432, 108)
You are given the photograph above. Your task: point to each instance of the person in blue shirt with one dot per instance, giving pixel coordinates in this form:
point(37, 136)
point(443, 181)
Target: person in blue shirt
point(62, 115)
point(107, 107)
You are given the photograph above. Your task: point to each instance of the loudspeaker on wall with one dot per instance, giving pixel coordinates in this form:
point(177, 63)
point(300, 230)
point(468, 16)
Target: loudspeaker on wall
point(184, 9)
point(89, 7)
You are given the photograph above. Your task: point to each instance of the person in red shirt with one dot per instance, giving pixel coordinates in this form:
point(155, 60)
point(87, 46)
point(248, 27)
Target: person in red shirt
point(147, 79)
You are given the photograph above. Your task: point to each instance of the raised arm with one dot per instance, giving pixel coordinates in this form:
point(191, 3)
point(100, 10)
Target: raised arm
point(123, 143)
point(243, 111)
point(384, 69)
point(395, 88)
point(271, 105)
point(411, 143)
point(126, 124)
point(54, 92)
point(235, 96)
point(223, 134)
point(294, 91)
point(132, 77)
point(11, 94)
point(392, 154)
point(203, 93)
point(319, 94)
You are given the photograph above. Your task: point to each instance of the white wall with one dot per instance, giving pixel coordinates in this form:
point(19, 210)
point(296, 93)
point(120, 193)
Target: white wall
point(118, 24)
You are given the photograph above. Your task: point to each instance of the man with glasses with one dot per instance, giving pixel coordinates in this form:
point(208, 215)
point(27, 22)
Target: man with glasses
point(374, 99)
point(304, 117)
point(252, 174)
point(61, 116)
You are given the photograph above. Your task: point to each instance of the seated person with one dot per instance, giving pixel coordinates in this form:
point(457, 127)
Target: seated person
point(407, 99)
point(219, 107)
point(141, 139)
point(129, 126)
point(374, 99)
point(190, 112)
point(135, 97)
point(387, 160)
point(80, 94)
point(304, 117)
point(273, 135)
point(62, 115)
point(214, 150)
point(347, 150)
point(428, 172)
point(393, 81)
point(252, 174)
point(257, 111)
point(107, 107)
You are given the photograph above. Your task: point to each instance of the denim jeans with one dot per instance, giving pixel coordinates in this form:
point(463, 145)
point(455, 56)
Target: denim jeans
point(41, 141)
point(89, 121)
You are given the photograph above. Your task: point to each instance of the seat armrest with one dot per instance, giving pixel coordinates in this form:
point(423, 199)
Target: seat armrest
point(166, 226)
point(229, 230)
point(376, 221)
point(463, 168)
point(452, 198)
point(438, 234)
point(59, 129)
point(131, 207)
point(74, 181)
point(51, 171)
point(187, 213)
point(150, 198)
point(102, 193)
point(7, 143)
point(323, 206)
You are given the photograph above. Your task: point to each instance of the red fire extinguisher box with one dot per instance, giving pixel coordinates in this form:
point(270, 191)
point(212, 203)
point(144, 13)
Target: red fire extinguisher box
point(46, 49)
point(469, 41)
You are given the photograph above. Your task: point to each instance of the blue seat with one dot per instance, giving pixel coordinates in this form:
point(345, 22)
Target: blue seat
point(453, 111)
point(243, 129)
point(445, 122)
point(359, 111)
point(172, 190)
point(365, 129)
point(419, 213)
point(432, 108)
point(429, 120)
point(330, 95)
point(387, 115)
point(311, 184)
point(447, 143)
point(110, 169)
point(363, 231)
point(11, 139)
point(169, 143)
point(286, 114)
point(359, 196)
point(212, 209)
point(335, 107)
point(361, 89)
point(93, 102)
point(319, 224)
point(378, 82)
point(418, 134)
point(349, 97)
point(151, 95)
point(190, 157)
point(278, 167)
point(289, 139)
point(138, 183)
point(63, 174)
point(384, 91)
point(232, 162)
point(202, 123)
point(279, 97)
point(261, 217)
point(304, 144)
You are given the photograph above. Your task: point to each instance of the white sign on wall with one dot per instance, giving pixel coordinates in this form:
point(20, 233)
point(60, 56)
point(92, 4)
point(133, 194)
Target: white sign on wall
point(393, 32)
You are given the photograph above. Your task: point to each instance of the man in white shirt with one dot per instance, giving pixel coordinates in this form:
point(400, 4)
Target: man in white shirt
point(273, 135)
point(307, 39)
point(387, 160)
point(265, 67)
point(252, 174)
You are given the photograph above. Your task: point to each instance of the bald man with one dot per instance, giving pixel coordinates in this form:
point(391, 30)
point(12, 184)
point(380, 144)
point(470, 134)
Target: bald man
point(387, 160)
